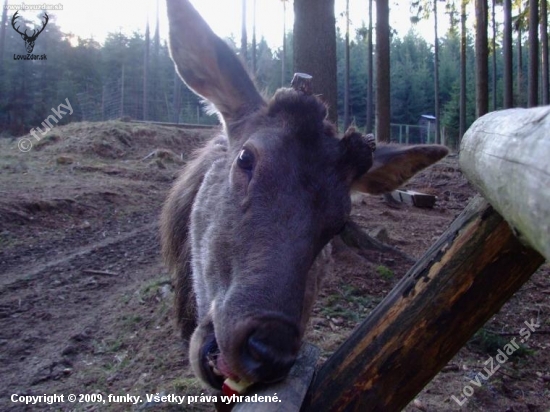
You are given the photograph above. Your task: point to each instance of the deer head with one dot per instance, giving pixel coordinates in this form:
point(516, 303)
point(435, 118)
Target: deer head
point(247, 227)
point(29, 40)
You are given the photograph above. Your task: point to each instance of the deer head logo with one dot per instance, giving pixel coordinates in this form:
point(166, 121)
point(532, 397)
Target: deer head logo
point(29, 40)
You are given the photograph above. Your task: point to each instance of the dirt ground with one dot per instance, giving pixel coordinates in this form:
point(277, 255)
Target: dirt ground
point(85, 302)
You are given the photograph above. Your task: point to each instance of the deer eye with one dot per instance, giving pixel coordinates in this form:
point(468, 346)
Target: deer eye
point(246, 160)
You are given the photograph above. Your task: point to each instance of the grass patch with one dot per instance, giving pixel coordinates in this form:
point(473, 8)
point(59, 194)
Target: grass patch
point(384, 272)
point(350, 304)
point(151, 288)
point(488, 342)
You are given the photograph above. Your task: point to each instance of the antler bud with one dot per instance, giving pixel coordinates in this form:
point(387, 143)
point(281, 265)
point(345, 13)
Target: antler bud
point(301, 82)
point(371, 141)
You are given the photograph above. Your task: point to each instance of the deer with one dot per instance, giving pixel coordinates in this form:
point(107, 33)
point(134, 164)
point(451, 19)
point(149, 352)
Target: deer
point(247, 228)
point(29, 40)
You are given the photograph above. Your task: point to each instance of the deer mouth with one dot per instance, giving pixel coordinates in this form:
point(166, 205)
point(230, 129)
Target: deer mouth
point(213, 365)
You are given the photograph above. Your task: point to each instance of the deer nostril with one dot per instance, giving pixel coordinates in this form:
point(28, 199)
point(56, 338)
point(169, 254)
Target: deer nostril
point(258, 350)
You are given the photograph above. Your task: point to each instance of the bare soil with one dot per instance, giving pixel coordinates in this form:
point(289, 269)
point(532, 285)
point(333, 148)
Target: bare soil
point(86, 304)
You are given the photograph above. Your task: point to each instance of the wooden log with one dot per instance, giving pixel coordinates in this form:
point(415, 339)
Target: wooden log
point(292, 391)
point(414, 198)
point(506, 156)
point(463, 279)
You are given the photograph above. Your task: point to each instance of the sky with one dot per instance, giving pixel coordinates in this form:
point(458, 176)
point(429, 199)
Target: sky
point(97, 18)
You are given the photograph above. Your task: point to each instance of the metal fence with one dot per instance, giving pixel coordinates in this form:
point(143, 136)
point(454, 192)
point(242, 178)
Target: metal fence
point(412, 134)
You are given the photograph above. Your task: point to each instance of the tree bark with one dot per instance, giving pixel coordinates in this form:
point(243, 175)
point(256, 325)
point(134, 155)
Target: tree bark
point(3, 33)
point(383, 103)
point(544, 46)
point(494, 51)
point(519, 82)
point(347, 120)
point(533, 78)
point(482, 69)
point(244, 39)
point(146, 74)
point(507, 51)
point(370, 76)
point(177, 98)
point(463, 39)
point(254, 39)
point(436, 78)
point(283, 56)
point(315, 48)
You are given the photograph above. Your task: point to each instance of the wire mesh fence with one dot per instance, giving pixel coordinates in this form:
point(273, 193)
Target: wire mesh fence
point(125, 97)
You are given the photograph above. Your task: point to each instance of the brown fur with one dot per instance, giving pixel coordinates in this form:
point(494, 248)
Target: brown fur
point(174, 229)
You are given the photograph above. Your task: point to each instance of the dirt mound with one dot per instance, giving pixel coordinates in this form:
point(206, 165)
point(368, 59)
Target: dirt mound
point(119, 140)
point(79, 169)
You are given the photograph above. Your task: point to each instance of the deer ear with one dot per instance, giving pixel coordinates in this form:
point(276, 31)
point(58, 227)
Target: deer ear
point(207, 64)
point(393, 166)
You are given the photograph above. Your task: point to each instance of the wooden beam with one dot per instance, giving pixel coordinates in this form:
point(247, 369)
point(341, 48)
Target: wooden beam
point(463, 279)
point(291, 391)
point(506, 156)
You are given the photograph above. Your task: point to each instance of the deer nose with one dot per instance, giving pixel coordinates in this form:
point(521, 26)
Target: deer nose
point(271, 350)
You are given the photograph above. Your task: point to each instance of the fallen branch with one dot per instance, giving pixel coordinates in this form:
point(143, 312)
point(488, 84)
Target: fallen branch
point(99, 272)
point(153, 153)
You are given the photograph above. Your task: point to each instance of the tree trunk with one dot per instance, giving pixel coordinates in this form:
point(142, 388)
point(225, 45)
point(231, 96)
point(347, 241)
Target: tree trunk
point(544, 45)
point(315, 48)
point(146, 73)
point(283, 56)
point(463, 39)
point(254, 39)
point(494, 60)
point(3, 33)
point(520, 65)
point(482, 89)
point(436, 78)
point(244, 39)
point(383, 108)
point(177, 97)
point(370, 76)
point(533, 78)
point(507, 51)
point(347, 120)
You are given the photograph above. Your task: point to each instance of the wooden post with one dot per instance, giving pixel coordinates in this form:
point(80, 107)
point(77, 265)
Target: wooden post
point(463, 280)
point(506, 156)
point(291, 391)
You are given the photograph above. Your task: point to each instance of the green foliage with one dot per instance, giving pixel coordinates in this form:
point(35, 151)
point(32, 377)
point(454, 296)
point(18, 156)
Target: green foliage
point(384, 272)
point(489, 342)
point(107, 81)
point(350, 304)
